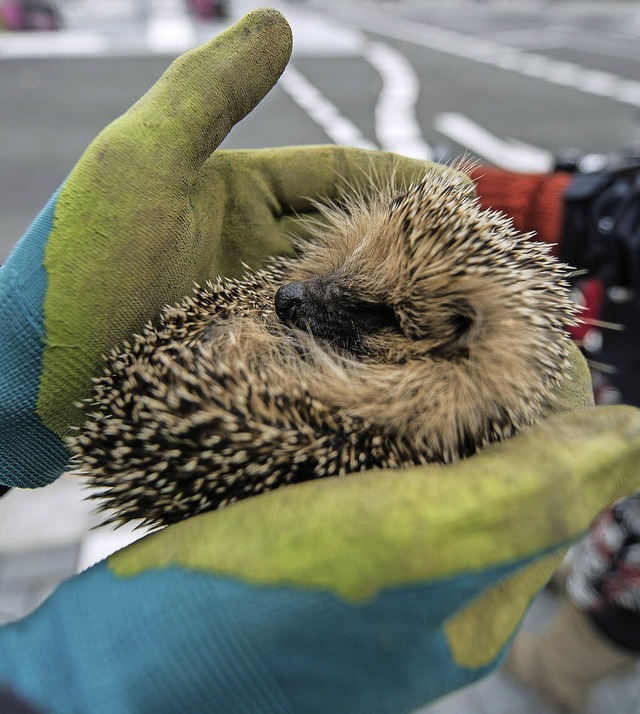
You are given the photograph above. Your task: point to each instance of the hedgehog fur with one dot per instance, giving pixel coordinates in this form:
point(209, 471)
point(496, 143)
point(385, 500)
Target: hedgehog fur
point(414, 327)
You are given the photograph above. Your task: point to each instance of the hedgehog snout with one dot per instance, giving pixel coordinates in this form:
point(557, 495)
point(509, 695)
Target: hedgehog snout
point(288, 300)
point(317, 305)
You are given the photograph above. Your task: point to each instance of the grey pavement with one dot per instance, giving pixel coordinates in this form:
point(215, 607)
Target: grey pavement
point(53, 105)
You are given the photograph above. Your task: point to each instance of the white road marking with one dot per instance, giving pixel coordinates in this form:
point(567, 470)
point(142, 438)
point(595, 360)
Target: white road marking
point(100, 543)
point(598, 82)
point(325, 114)
point(629, 92)
point(397, 129)
point(533, 65)
point(170, 28)
point(495, 54)
point(565, 73)
point(20, 45)
point(510, 155)
point(169, 31)
point(50, 517)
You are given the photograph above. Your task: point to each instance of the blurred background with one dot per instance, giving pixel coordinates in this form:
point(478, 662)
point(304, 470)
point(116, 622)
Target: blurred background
point(526, 85)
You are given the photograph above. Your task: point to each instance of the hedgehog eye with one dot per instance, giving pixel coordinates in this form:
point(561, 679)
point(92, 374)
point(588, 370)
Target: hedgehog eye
point(372, 317)
point(461, 323)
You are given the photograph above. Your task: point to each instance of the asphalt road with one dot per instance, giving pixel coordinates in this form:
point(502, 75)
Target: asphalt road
point(512, 82)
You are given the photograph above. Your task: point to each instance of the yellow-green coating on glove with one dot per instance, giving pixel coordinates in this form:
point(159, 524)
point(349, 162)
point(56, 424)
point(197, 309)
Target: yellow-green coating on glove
point(477, 633)
point(575, 391)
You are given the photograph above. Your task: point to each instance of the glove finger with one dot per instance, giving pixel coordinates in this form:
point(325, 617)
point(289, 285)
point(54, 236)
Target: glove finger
point(219, 84)
point(122, 243)
point(296, 176)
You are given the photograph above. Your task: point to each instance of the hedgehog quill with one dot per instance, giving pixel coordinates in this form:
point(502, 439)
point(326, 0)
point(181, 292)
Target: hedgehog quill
point(413, 328)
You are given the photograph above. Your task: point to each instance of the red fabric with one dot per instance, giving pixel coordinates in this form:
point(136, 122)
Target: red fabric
point(534, 201)
point(590, 296)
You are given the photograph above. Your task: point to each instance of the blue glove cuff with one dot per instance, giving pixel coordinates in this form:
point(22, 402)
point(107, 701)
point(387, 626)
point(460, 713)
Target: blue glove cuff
point(23, 282)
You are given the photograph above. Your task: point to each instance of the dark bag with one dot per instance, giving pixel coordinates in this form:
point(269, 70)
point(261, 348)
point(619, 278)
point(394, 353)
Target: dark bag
point(601, 231)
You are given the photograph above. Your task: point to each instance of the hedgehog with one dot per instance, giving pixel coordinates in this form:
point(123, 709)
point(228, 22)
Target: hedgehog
point(412, 327)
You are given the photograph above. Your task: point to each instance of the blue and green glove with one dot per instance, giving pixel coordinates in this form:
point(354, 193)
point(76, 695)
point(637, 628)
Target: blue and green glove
point(376, 593)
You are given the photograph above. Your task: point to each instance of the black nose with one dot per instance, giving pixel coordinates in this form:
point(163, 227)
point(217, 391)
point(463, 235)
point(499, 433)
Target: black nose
point(288, 301)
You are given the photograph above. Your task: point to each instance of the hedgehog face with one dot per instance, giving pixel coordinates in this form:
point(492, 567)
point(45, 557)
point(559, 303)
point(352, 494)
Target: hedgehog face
point(375, 284)
point(375, 330)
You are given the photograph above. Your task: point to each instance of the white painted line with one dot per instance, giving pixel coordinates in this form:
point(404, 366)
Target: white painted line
point(54, 516)
point(396, 126)
point(170, 33)
point(566, 74)
point(493, 53)
point(602, 83)
point(627, 91)
point(67, 43)
point(532, 65)
point(323, 112)
point(477, 46)
point(170, 28)
point(510, 155)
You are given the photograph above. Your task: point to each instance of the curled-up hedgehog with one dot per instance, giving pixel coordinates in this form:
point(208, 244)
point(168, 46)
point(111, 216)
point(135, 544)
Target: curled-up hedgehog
point(415, 327)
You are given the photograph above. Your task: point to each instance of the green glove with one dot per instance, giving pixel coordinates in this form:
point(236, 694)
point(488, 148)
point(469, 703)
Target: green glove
point(145, 213)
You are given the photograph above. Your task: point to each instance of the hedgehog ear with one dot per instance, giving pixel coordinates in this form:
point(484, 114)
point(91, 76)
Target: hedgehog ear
point(465, 321)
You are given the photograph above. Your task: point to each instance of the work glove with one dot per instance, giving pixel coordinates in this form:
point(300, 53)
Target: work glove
point(373, 593)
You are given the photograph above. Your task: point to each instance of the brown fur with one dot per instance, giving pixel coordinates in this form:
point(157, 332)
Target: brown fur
point(226, 399)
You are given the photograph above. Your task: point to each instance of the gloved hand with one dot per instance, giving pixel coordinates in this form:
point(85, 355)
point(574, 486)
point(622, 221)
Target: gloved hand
point(147, 211)
point(374, 593)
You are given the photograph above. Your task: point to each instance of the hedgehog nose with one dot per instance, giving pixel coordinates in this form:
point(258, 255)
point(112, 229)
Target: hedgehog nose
point(288, 300)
